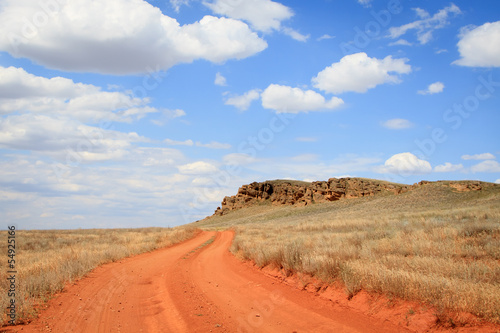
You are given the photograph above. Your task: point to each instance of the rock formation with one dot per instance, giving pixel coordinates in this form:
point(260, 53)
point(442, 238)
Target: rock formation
point(289, 192)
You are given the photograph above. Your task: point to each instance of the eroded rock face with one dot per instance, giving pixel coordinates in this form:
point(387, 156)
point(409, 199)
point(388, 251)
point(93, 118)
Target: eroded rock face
point(303, 193)
point(296, 193)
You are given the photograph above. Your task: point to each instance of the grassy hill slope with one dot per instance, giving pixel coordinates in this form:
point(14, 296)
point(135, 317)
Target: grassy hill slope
point(431, 244)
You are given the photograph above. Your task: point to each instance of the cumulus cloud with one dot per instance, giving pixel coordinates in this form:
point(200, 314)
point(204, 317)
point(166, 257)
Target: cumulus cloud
point(106, 195)
point(263, 15)
point(358, 73)
point(220, 80)
point(285, 99)
point(61, 138)
point(244, 101)
point(119, 37)
point(397, 124)
point(405, 164)
point(480, 46)
point(427, 24)
point(22, 91)
point(448, 167)
point(197, 168)
point(497, 181)
point(486, 166)
point(433, 88)
point(484, 156)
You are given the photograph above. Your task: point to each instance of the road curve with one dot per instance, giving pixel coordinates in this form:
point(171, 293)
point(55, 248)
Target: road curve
point(195, 286)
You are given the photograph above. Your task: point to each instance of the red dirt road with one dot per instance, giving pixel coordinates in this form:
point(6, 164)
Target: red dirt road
point(195, 286)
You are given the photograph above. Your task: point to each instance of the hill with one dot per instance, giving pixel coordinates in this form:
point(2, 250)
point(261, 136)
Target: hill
point(437, 243)
point(299, 193)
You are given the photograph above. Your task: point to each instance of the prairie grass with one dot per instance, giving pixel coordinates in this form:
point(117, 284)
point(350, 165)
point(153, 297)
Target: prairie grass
point(46, 260)
point(430, 244)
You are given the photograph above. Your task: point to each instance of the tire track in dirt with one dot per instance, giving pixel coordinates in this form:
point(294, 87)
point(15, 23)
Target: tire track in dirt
point(195, 286)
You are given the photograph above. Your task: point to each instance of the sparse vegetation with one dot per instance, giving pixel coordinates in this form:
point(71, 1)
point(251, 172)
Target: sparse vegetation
point(49, 259)
point(431, 244)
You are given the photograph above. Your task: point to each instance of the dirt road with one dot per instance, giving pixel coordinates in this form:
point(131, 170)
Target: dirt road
point(195, 286)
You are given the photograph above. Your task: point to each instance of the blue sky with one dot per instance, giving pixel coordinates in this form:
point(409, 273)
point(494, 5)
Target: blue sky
point(132, 113)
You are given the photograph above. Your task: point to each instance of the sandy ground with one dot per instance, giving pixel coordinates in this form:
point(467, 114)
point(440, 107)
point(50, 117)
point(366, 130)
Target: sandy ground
point(195, 286)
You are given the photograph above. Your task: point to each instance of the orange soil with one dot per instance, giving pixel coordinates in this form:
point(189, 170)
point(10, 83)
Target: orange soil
point(188, 288)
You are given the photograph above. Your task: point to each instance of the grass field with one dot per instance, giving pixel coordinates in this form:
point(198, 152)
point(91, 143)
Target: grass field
point(48, 259)
point(431, 244)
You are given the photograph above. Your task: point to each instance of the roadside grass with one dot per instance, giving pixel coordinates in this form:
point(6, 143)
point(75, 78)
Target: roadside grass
point(430, 244)
point(46, 260)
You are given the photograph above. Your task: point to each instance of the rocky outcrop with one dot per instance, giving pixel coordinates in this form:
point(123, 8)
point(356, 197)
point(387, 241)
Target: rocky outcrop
point(297, 193)
point(283, 192)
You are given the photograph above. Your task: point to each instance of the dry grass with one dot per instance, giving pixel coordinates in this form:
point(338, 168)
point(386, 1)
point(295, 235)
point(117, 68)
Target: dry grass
point(430, 244)
point(47, 260)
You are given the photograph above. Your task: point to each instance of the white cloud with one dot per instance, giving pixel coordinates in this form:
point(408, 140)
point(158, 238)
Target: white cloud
point(427, 24)
point(243, 102)
point(484, 156)
point(22, 91)
point(285, 99)
point(497, 181)
point(176, 4)
point(405, 164)
point(448, 167)
point(295, 34)
point(123, 194)
point(220, 80)
point(238, 159)
point(403, 42)
point(358, 73)
point(64, 138)
point(213, 145)
point(178, 143)
point(198, 168)
point(119, 37)
point(191, 143)
point(433, 88)
point(263, 15)
point(167, 115)
point(397, 124)
point(486, 166)
point(365, 2)
point(441, 51)
point(203, 181)
point(480, 47)
point(325, 36)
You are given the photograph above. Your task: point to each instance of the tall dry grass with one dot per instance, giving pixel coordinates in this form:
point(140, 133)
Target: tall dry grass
point(431, 245)
point(46, 260)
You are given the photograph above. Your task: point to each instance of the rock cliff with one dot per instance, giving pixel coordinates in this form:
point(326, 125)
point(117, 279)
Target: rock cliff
point(289, 192)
